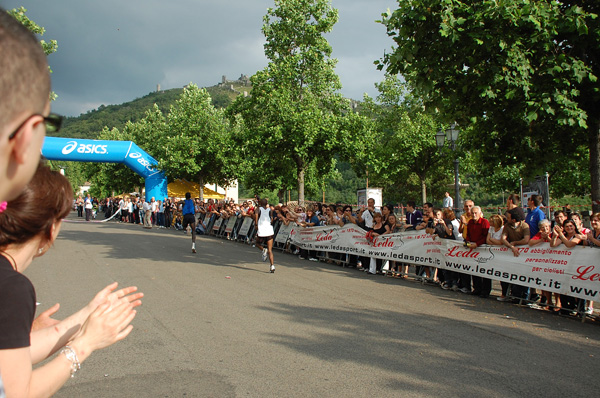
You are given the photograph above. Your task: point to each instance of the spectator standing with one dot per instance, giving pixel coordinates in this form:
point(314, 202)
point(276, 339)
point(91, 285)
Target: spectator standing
point(477, 232)
point(79, 206)
point(448, 202)
point(534, 213)
point(516, 233)
point(413, 216)
point(147, 214)
point(88, 207)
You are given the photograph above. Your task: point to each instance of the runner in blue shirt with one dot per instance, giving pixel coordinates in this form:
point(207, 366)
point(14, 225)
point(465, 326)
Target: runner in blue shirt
point(189, 217)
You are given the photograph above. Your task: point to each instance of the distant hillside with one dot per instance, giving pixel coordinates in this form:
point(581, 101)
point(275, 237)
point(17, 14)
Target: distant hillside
point(90, 124)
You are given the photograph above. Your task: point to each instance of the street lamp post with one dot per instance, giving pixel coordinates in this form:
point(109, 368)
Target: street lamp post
point(451, 135)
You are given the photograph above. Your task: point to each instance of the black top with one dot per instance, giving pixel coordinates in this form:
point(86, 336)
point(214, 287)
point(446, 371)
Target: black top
point(379, 231)
point(17, 307)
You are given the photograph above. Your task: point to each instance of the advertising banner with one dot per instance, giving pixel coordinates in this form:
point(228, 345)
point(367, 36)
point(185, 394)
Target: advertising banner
point(574, 272)
point(102, 151)
point(230, 224)
point(245, 227)
point(284, 233)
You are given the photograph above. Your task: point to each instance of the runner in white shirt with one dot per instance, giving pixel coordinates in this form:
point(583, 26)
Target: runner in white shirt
point(262, 218)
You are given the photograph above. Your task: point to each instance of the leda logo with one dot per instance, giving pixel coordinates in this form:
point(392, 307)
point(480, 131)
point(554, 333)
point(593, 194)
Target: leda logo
point(84, 148)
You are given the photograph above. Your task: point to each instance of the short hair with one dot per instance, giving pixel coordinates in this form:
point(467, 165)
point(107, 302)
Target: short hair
point(188, 195)
point(595, 216)
point(24, 218)
point(514, 198)
point(578, 215)
point(25, 78)
point(496, 220)
point(516, 214)
point(263, 202)
point(476, 208)
point(536, 199)
point(557, 212)
point(428, 204)
point(544, 221)
point(411, 203)
point(449, 214)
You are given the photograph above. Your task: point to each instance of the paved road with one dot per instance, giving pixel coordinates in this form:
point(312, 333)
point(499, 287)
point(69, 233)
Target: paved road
point(217, 324)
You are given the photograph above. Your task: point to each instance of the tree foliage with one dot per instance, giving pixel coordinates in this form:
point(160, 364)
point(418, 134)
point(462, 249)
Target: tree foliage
point(405, 157)
point(295, 116)
point(49, 47)
point(196, 144)
point(522, 73)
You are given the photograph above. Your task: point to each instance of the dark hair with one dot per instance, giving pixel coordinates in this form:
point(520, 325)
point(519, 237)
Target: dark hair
point(411, 203)
point(25, 79)
point(557, 212)
point(569, 221)
point(430, 205)
point(514, 198)
point(389, 207)
point(46, 199)
point(516, 214)
point(188, 195)
point(536, 199)
point(348, 207)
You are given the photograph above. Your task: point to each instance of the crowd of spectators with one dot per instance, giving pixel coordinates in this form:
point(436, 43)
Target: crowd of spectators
point(513, 229)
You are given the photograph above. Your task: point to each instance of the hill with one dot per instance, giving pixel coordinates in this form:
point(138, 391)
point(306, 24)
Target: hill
point(89, 125)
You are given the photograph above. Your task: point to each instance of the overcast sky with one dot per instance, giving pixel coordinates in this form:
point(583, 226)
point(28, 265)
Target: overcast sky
point(113, 51)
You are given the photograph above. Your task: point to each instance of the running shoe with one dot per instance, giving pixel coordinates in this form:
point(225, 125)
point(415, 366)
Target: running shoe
point(193, 250)
point(265, 253)
point(272, 269)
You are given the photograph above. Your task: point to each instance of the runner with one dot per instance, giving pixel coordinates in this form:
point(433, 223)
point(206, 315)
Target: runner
point(262, 218)
point(189, 217)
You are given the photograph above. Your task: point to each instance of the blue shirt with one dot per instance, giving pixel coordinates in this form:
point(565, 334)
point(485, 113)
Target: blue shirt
point(533, 218)
point(188, 207)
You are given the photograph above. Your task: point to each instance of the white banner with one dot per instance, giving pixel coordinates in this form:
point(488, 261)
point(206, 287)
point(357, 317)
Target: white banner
point(574, 272)
point(245, 227)
point(217, 224)
point(230, 224)
point(284, 233)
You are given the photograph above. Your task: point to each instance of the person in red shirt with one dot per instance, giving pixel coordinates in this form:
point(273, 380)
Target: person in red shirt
point(477, 232)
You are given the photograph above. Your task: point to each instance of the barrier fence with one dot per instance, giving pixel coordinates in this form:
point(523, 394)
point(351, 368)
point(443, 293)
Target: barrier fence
point(571, 272)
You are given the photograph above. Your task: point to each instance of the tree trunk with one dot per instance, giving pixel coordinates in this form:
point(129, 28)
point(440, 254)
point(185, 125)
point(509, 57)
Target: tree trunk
point(201, 188)
point(281, 195)
point(594, 136)
point(301, 186)
point(423, 191)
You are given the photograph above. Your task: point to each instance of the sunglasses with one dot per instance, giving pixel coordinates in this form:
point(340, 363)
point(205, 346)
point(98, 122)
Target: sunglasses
point(53, 123)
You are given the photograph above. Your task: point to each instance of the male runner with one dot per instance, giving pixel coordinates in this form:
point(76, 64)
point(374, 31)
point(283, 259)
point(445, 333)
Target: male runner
point(262, 218)
point(189, 217)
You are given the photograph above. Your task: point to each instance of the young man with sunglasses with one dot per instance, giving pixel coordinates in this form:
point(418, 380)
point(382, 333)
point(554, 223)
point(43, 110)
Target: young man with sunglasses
point(24, 105)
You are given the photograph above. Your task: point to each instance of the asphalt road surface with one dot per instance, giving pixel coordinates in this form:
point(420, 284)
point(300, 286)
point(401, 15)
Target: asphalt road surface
point(218, 324)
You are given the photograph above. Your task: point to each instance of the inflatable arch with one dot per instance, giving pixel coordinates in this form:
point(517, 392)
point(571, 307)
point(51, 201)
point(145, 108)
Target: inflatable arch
point(126, 152)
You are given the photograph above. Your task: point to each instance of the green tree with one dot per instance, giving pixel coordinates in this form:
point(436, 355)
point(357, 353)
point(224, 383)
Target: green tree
point(522, 73)
point(295, 115)
point(197, 143)
point(49, 47)
point(406, 155)
point(107, 178)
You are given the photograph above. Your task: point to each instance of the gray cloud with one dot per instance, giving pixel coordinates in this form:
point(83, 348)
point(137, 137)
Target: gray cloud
point(114, 51)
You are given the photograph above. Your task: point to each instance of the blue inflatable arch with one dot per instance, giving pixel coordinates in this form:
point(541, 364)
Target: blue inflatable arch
point(126, 152)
